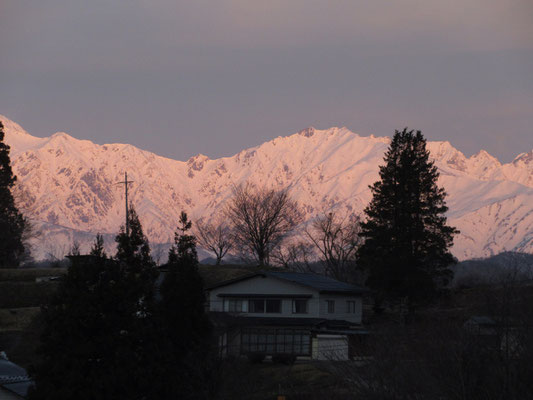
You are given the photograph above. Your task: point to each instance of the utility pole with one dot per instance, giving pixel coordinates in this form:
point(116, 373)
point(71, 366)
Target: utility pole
point(125, 182)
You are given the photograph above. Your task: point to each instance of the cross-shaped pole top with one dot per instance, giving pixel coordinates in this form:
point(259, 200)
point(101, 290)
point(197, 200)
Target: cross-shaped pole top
point(125, 183)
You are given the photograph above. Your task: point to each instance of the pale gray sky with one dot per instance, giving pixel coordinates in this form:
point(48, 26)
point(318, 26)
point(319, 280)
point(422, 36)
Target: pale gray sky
point(184, 77)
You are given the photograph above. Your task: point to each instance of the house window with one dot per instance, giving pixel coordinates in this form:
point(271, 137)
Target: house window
point(299, 306)
point(350, 307)
point(273, 306)
point(331, 306)
point(235, 305)
point(257, 306)
point(275, 341)
point(265, 306)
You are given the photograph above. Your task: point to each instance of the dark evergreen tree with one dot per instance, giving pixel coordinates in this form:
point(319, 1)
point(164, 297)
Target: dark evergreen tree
point(103, 331)
point(97, 249)
point(75, 249)
point(133, 255)
point(12, 222)
point(184, 248)
point(133, 249)
point(186, 323)
point(96, 344)
point(406, 249)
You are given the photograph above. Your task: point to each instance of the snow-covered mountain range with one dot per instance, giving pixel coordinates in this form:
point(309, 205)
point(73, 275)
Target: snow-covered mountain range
point(68, 187)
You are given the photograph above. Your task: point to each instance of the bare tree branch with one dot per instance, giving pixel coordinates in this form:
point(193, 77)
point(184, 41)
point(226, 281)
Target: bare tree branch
point(336, 239)
point(262, 218)
point(216, 237)
point(295, 256)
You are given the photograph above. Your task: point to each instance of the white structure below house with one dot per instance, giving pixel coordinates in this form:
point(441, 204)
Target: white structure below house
point(298, 314)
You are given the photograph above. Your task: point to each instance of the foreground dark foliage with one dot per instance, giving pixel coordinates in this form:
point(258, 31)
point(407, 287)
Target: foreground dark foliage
point(12, 222)
point(98, 339)
point(186, 325)
point(108, 335)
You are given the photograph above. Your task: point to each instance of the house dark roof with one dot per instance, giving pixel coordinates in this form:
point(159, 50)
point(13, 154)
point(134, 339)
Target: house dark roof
point(321, 283)
point(224, 319)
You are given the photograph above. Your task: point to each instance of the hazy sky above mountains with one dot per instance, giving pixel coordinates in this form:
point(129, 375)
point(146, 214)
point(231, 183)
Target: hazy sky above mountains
point(184, 77)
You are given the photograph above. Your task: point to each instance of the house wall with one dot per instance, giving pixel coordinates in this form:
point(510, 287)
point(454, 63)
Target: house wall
point(316, 305)
point(341, 308)
point(268, 286)
point(330, 347)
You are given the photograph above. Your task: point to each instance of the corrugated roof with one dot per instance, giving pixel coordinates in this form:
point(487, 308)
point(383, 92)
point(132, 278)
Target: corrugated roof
point(224, 319)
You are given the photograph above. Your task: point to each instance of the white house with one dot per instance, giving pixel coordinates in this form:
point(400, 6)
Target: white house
point(299, 314)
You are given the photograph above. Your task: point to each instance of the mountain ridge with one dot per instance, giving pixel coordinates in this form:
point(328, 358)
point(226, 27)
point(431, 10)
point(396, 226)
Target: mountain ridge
point(71, 183)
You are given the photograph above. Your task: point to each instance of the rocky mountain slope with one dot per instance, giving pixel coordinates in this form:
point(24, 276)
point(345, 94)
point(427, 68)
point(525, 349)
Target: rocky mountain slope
point(69, 187)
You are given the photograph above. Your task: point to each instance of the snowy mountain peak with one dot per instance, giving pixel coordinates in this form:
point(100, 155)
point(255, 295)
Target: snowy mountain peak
point(446, 153)
point(196, 163)
point(19, 140)
point(61, 135)
point(12, 127)
point(68, 187)
point(324, 133)
point(484, 155)
point(307, 132)
point(525, 158)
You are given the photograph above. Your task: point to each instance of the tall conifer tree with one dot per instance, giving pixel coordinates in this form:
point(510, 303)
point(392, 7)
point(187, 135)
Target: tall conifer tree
point(97, 248)
point(183, 311)
point(406, 249)
point(134, 249)
point(102, 334)
point(12, 222)
point(134, 255)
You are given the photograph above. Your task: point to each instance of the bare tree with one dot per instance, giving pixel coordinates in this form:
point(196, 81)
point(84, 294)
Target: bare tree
point(295, 256)
point(217, 237)
point(159, 252)
point(55, 251)
point(336, 239)
point(262, 218)
point(74, 249)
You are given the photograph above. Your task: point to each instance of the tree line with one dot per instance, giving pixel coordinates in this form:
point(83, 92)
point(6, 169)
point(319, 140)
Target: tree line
point(399, 247)
point(119, 329)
